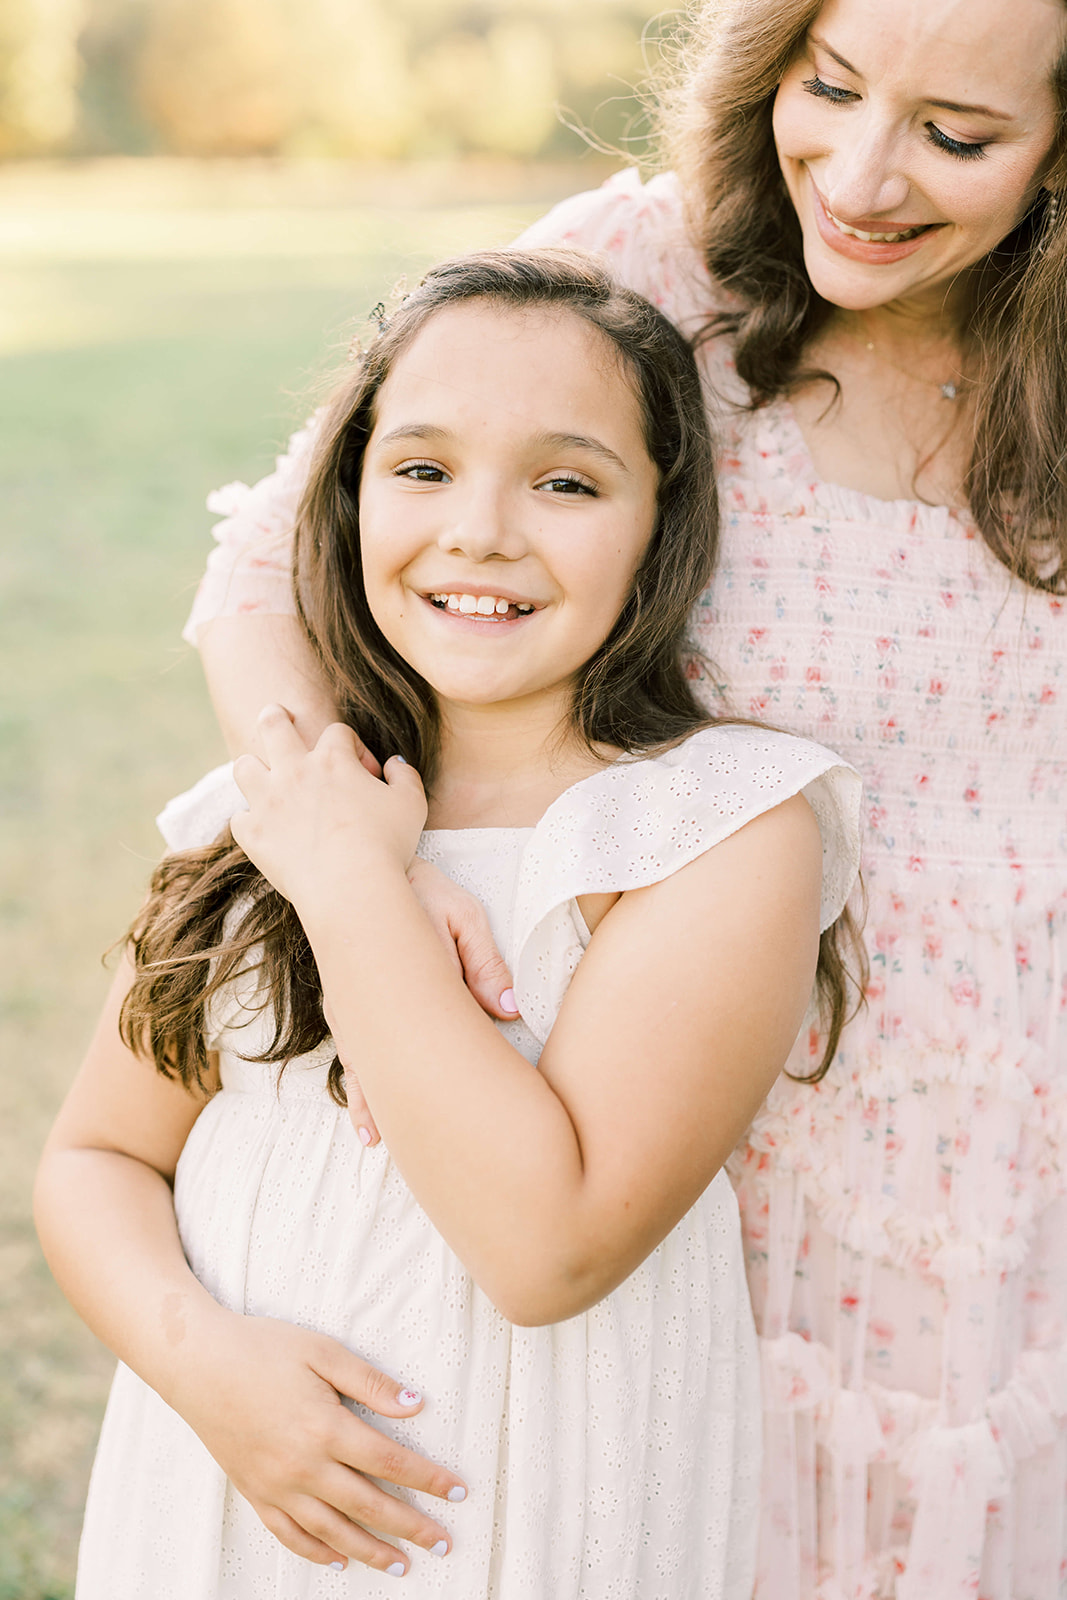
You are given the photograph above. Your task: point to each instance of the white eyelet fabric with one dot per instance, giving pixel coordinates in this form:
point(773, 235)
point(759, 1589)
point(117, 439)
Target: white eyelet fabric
point(615, 1456)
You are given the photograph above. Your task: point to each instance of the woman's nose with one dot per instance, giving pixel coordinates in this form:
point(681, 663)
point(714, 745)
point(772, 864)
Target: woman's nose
point(863, 178)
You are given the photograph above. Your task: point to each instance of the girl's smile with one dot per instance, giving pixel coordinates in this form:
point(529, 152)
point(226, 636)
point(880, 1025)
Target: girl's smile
point(497, 559)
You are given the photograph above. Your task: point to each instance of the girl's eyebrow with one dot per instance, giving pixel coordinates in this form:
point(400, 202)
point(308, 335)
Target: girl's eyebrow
point(551, 441)
point(942, 105)
point(581, 441)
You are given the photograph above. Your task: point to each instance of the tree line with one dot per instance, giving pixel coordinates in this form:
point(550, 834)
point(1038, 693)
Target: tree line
point(360, 78)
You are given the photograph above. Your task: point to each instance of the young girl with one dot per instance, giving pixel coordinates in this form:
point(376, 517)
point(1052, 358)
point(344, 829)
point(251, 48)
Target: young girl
point(510, 516)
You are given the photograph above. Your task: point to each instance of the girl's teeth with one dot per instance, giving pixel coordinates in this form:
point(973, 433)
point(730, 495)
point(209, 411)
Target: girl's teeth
point(482, 605)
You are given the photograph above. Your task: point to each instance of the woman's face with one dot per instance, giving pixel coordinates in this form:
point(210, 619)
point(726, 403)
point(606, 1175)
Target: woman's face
point(924, 125)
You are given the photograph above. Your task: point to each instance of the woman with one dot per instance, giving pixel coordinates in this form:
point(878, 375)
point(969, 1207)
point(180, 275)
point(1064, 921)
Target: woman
point(866, 223)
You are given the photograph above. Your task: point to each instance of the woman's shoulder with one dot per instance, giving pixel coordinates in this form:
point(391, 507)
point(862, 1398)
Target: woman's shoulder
point(642, 230)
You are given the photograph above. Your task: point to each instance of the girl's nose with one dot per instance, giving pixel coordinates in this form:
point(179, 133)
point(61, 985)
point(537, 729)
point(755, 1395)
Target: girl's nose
point(483, 527)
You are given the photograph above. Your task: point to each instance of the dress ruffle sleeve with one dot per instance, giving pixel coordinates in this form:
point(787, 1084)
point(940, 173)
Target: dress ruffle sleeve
point(639, 821)
point(198, 816)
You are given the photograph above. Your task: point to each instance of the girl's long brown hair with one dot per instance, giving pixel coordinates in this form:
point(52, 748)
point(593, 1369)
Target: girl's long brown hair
point(717, 132)
point(211, 916)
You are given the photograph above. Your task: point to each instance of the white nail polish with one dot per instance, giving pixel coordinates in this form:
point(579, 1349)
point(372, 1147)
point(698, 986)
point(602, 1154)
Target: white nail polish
point(440, 1548)
point(397, 1570)
point(336, 1566)
point(457, 1493)
point(408, 1397)
point(365, 1136)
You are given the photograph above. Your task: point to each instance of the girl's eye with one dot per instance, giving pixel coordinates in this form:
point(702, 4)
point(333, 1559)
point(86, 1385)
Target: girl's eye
point(564, 484)
point(421, 472)
point(829, 91)
point(954, 147)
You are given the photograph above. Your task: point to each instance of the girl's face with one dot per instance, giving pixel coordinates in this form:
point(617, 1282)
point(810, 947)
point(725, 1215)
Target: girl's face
point(926, 124)
point(506, 499)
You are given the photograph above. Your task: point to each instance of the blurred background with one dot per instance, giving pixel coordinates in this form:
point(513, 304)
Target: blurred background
point(200, 200)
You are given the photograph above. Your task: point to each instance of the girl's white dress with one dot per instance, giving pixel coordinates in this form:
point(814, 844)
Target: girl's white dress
point(611, 1457)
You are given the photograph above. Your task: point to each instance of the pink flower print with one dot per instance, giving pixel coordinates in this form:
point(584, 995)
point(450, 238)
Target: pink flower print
point(963, 1142)
point(823, 587)
point(778, 670)
point(850, 1302)
point(948, 599)
point(924, 631)
point(813, 675)
point(933, 947)
point(936, 688)
point(1022, 955)
point(921, 780)
point(965, 992)
point(756, 635)
point(884, 1332)
point(916, 863)
point(1048, 695)
point(971, 795)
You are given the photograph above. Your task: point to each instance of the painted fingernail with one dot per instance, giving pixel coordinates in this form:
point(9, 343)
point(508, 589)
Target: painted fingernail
point(440, 1548)
point(507, 1001)
point(408, 1397)
point(336, 1566)
point(396, 1570)
point(365, 1135)
point(457, 1493)
point(403, 763)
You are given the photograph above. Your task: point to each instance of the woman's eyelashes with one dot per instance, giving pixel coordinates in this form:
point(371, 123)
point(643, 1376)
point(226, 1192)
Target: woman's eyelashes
point(940, 140)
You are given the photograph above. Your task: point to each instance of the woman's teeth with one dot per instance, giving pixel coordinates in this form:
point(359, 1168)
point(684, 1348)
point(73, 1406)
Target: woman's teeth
point(481, 605)
point(877, 238)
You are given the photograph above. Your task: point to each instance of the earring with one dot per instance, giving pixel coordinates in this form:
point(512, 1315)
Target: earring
point(1052, 211)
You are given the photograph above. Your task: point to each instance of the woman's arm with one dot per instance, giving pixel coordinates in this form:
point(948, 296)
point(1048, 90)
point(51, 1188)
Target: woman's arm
point(552, 1185)
point(105, 1215)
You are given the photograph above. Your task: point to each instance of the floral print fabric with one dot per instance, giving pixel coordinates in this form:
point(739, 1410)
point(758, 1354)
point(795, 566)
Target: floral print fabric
point(905, 1218)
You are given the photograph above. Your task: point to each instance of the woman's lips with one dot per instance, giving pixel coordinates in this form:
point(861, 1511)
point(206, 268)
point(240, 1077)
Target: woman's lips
point(873, 252)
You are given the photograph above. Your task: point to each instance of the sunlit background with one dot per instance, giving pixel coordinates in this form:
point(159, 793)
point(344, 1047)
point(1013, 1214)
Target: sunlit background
point(199, 201)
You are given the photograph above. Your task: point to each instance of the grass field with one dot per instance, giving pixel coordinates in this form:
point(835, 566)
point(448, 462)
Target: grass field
point(160, 326)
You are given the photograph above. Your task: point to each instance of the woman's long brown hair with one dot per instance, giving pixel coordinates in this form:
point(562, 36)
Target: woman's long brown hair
point(717, 133)
point(211, 917)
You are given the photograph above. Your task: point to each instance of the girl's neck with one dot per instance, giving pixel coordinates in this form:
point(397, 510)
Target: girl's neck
point(502, 767)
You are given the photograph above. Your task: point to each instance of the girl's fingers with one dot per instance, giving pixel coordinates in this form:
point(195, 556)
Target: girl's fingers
point(279, 735)
point(250, 774)
point(296, 1538)
point(329, 1528)
point(485, 971)
point(365, 1504)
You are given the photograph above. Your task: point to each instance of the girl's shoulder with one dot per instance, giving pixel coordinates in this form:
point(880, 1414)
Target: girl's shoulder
point(641, 818)
point(641, 229)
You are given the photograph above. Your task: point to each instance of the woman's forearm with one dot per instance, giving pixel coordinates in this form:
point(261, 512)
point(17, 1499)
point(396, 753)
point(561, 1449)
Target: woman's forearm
point(107, 1226)
point(257, 658)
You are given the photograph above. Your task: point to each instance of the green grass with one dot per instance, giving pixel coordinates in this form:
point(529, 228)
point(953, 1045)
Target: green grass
point(130, 384)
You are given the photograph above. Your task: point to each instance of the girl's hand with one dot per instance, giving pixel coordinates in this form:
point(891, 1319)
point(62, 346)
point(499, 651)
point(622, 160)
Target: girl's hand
point(317, 819)
point(266, 1401)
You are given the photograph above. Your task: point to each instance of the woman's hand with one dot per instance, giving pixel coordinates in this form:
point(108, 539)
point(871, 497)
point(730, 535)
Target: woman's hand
point(317, 819)
point(266, 1401)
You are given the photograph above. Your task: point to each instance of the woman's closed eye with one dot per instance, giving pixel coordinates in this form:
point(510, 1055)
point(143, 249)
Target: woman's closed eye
point(960, 148)
point(569, 483)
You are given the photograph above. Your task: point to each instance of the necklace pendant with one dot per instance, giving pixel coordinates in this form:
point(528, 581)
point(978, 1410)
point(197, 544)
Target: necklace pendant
point(948, 391)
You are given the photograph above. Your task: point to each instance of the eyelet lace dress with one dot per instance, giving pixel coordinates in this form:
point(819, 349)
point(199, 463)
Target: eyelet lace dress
point(905, 1220)
point(611, 1457)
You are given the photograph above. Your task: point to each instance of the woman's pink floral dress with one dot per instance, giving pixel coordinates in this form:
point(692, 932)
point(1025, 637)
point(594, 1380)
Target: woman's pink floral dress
point(906, 1219)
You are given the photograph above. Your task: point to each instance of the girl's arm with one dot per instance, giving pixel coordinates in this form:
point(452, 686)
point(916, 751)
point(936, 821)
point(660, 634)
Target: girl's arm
point(105, 1215)
point(552, 1185)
